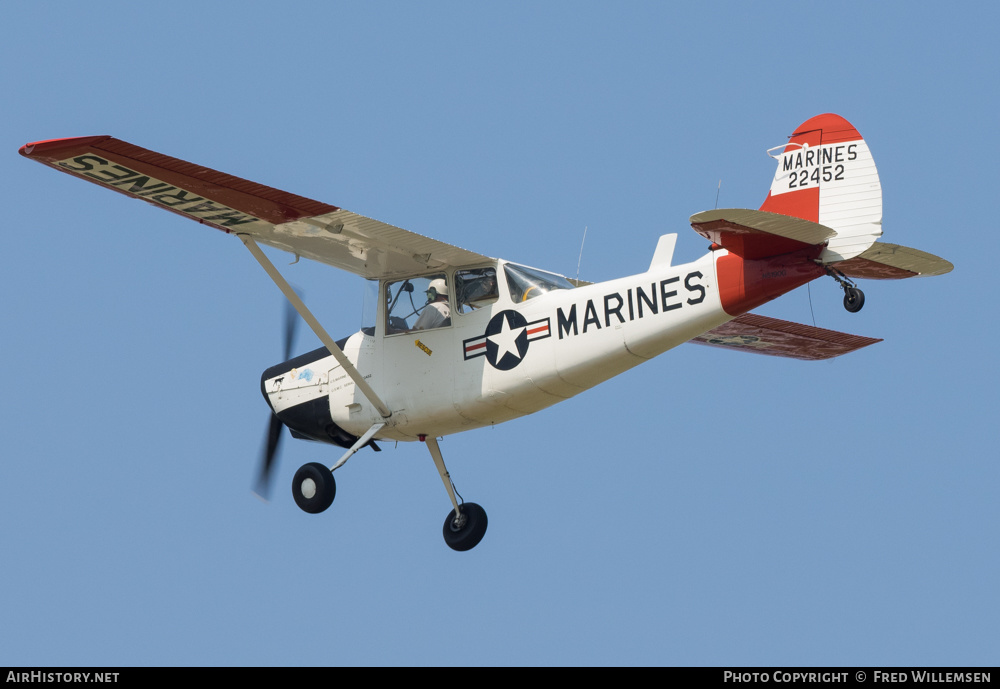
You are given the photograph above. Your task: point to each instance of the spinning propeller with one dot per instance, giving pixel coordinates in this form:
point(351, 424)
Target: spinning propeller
point(275, 425)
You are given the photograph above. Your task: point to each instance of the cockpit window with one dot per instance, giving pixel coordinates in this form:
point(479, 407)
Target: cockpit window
point(417, 304)
point(528, 283)
point(475, 288)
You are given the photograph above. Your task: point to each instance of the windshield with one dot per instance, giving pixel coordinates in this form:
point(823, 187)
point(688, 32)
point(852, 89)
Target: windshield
point(527, 283)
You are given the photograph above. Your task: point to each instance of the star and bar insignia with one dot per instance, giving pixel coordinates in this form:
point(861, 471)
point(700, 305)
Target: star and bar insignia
point(505, 342)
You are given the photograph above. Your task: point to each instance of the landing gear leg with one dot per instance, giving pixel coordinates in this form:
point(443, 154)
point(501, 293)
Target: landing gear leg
point(854, 298)
point(465, 526)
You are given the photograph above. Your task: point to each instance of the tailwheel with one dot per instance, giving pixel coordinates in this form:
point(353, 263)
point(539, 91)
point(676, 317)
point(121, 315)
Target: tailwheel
point(464, 530)
point(313, 488)
point(854, 299)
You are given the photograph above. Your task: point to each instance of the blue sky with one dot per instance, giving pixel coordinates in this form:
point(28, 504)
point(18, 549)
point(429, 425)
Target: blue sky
point(706, 508)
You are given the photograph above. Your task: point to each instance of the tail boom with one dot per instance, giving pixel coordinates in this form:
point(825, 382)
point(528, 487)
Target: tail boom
point(745, 284)
point(767, 254)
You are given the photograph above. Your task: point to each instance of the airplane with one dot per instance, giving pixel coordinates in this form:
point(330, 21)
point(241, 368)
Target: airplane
point(457, 340)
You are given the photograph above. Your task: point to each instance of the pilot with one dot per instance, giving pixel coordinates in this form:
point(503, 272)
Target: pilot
point(436, 313)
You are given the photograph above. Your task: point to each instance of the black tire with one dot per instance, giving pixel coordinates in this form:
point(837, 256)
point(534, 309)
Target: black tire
point(467, 534)
point(316, 496)
point(854, 299)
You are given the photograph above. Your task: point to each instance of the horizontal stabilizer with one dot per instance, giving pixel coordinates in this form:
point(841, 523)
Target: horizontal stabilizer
point(763, 335)
point(884, 261)
point(759, 234)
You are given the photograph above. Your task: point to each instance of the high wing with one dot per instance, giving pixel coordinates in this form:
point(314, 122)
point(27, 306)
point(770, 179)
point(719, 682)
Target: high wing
point(774, 337)
point(304, 227)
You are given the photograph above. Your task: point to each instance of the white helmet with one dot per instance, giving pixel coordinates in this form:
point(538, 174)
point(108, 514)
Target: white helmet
point(439, 287)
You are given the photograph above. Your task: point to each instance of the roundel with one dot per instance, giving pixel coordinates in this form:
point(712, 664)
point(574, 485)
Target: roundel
point(505, 342)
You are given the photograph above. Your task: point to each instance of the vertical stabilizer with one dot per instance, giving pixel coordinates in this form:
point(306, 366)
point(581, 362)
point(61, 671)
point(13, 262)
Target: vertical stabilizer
point(827, 175)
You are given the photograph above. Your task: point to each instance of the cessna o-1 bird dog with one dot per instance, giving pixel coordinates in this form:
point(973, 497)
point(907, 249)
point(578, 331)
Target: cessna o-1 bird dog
point(461, 340)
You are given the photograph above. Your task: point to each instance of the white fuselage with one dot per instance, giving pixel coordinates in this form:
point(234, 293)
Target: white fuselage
point(538, 352)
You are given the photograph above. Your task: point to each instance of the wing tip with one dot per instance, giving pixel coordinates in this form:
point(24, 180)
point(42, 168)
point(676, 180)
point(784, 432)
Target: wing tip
point(38, 149)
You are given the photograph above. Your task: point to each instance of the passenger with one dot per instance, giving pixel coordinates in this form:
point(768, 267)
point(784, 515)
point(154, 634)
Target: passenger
point(483, 291)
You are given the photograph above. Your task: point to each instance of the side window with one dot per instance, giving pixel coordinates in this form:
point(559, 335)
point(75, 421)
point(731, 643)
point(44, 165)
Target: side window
point(417, 304)
point(475, 289)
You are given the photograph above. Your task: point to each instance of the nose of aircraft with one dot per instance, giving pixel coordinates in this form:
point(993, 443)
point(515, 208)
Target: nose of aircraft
point(298, 399)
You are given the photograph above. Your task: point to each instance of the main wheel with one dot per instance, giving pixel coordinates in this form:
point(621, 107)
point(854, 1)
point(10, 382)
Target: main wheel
point(465, 531)
point(854, 299)
point(313, 488)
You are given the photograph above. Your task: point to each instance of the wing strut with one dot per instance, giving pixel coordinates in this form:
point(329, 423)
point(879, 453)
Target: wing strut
point(307, 316)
